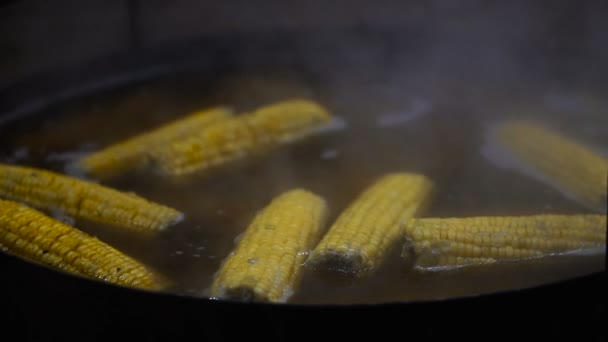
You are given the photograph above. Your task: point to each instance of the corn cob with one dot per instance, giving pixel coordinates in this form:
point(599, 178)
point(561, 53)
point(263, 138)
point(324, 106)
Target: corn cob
point(553, 159)
point(133, 153)
point(30, 234)
point(287, 121)
point(363, 234)
point(219, 144)
point(240, 137)
point(453, 242)
point(50, 191)
point(266, 264)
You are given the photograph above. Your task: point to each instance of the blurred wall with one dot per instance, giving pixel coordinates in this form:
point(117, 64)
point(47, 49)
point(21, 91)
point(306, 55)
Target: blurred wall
point(38, 35)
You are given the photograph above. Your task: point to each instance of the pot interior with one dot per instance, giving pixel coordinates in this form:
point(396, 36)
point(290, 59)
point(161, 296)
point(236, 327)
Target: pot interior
point(399, 110)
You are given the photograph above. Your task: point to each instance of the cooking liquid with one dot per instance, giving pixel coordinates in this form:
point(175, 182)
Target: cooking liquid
point(384, 129)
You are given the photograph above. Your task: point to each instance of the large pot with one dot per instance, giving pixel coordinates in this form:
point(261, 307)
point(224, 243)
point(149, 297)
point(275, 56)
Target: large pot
point(67, 49)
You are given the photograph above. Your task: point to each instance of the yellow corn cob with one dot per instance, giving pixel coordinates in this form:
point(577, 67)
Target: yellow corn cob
point(217, 145)
point(287, 121)
point(50, 191)
point(363, 234)
point(30, 234)
point(266, 264)
point(240, 137)
point(449, 242)
point(133, 153)
point(554, 159)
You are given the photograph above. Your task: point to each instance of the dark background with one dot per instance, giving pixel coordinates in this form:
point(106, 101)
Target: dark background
point(39, 35)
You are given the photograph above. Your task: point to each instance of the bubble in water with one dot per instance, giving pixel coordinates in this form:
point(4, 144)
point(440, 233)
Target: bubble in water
point(336, 124)
point(416, 109)
point(303, 253)
point(65, 156)
point(329, 154)
point(21, 153)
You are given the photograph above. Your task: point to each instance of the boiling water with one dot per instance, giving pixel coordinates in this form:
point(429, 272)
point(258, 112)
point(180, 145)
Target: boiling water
point(428, 127)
